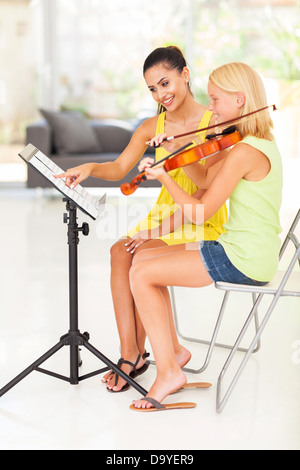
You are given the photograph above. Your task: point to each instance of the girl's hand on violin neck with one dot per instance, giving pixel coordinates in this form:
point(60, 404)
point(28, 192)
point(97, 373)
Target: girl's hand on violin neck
point(157, 140)
point(155, 173)
point(145, 163)
point(151, 172)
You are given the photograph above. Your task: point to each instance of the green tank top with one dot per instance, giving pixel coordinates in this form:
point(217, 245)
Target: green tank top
point(251, 240)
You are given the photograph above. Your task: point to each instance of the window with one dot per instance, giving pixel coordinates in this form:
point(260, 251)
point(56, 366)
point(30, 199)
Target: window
point(89, 54)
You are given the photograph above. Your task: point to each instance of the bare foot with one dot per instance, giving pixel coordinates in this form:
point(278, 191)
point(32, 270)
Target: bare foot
point(183, 356)
point(111, 382)
point(110, 377)
point(163, 386)
point(107, 376)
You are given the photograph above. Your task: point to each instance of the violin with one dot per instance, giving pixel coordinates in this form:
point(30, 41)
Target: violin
point(185, 156)
point(216, 143)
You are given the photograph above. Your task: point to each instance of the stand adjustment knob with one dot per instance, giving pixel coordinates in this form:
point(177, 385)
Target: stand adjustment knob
point(85, 228)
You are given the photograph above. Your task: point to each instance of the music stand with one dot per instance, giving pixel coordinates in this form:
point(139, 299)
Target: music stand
point(77, 197)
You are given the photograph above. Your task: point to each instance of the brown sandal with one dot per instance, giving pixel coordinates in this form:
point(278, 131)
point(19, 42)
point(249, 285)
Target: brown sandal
point(160, 407)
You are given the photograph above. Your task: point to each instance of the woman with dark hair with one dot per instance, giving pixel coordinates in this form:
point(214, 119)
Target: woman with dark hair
point(168, 79)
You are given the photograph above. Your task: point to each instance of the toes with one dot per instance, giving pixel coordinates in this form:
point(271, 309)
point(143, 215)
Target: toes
point(116, 388)
point(141, 404)
point(110, 382)
point(107, 377)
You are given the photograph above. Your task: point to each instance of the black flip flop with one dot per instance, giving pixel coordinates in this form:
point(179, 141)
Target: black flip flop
point(133, 374)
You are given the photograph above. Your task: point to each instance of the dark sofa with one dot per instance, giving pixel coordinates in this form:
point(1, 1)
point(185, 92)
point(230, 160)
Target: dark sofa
point(70, 140)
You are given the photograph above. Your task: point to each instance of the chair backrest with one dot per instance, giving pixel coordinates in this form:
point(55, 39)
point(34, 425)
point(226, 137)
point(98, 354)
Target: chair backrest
point(291, 237)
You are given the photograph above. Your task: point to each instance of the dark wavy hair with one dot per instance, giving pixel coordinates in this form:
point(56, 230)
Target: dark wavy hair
point(171, 57)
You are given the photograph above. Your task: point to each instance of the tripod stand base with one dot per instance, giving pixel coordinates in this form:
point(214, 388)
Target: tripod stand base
point(73, 339)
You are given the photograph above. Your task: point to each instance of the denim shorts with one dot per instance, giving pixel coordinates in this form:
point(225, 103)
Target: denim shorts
point(219, 266)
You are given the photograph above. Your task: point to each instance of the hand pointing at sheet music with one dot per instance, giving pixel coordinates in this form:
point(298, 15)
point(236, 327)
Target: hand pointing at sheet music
point(76, 175)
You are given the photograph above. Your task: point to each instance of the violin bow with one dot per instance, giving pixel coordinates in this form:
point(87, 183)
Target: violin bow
point(230, 121)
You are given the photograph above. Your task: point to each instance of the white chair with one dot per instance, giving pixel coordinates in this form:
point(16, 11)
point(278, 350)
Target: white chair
point(212, 343)
point(285, 283)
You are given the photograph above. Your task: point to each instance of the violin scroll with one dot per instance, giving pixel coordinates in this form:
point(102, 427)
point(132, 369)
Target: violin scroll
point(129, 188)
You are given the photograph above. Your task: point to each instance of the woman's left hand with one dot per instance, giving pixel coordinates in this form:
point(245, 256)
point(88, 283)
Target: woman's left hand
point(134, 242)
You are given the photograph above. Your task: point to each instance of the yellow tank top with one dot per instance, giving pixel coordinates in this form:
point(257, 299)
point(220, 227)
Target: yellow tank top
point(165, 205)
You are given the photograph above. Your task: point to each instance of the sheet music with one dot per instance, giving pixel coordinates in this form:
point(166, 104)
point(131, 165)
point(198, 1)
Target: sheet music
point(44, 165)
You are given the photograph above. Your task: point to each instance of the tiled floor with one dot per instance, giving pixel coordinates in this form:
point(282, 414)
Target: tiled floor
point(42, 412)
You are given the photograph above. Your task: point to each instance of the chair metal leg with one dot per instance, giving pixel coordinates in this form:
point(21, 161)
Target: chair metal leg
point(220, 403)
point(212, 343)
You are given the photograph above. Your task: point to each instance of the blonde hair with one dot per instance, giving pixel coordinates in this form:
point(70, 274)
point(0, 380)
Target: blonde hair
point(239, 77)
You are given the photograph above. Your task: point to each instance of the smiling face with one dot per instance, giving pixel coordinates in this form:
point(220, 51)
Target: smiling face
point(224, 105)
point(168, 87)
